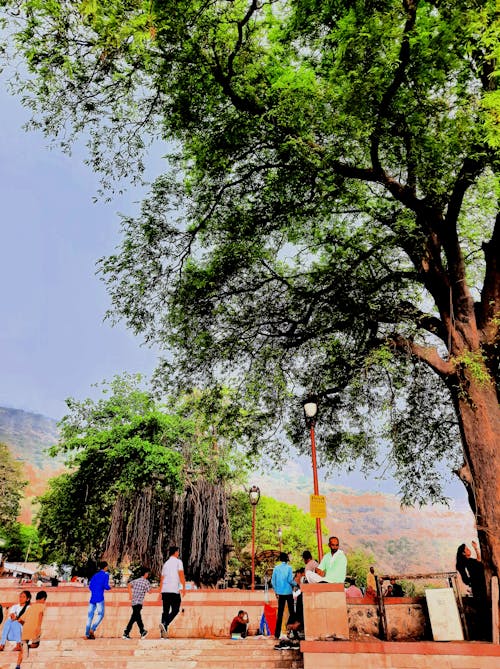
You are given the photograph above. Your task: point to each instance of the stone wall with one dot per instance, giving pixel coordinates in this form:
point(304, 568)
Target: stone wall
point(406, 618)
point(207, 613)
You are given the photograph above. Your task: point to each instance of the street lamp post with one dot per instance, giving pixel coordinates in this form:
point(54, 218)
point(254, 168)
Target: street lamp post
point(310, 413)
point(254, 496)
point(280, 538)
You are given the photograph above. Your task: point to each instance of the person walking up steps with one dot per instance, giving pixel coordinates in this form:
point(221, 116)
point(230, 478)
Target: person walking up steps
point(137, 590)
point(98, 584)
point(172, 578)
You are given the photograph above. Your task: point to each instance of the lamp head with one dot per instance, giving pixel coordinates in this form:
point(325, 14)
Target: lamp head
point(310, 406)
point(254, 495)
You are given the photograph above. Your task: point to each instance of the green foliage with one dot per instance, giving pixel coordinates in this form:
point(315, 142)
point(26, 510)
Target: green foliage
point(22, 543)
point(11, 487)
point(409, 588)
point(125, 443)
point(359, 562)
point(475, 363)
point(298, 529)
point(329, 219)
point(73, 521)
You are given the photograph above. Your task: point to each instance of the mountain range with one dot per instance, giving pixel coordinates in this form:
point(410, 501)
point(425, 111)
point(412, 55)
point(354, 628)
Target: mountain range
point(402, 540)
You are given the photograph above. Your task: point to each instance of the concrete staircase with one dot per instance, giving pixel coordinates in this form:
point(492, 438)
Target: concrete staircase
point(105, 653)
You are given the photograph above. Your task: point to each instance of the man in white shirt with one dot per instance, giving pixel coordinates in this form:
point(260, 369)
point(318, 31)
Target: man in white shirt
point(172, 578)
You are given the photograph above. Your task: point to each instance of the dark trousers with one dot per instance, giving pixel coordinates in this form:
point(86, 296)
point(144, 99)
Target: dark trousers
point(240, 628)
point(282, 600)
point(171, 604)
point(135, 618)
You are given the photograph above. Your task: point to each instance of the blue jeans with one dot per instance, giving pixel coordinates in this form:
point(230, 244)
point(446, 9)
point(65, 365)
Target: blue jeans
point(99, 607)
point(12, 631)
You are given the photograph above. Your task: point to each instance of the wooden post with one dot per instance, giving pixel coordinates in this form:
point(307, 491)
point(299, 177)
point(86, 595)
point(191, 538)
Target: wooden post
point(453, 581)
point(495, 632)
point(381, 610)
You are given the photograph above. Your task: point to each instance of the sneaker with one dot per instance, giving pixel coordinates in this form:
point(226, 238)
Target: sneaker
point(2, 646)
point(144, 634)
point(91, 635)
point(163, 631)
point(125, 635)
point(18, 647)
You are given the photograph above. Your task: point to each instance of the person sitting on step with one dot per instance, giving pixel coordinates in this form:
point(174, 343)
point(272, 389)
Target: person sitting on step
point(12, 629)
point(239, 624)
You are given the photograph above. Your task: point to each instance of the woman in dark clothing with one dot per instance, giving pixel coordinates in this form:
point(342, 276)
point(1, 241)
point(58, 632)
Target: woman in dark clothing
point(472, 572)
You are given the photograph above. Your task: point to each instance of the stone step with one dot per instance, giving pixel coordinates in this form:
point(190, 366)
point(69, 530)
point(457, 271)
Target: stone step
point(168, 653)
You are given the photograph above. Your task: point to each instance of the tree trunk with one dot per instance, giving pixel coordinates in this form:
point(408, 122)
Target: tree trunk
point(479, 415)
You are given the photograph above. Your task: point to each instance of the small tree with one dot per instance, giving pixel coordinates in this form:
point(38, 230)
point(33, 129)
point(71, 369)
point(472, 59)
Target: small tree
point(298, 529)
point(359, 562)
point(11, 487)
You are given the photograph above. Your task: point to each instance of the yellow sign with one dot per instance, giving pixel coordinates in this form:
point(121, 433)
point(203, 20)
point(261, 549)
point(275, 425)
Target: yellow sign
point(317, 507)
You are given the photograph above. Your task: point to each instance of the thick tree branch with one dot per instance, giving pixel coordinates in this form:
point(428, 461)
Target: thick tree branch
point(397, 80)
point(470, 170)
point(427, 354)
point(488, 309)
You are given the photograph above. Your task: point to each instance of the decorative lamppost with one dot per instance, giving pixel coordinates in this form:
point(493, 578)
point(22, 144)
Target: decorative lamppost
point(310, 413)
point(280, 538)
point(254, 496)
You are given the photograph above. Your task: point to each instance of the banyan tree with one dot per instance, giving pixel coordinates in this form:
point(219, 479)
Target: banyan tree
point(142, 477)
point(144, 523)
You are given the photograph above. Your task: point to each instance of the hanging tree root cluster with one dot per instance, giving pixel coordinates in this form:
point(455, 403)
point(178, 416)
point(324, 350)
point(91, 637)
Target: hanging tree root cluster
point(146, 523)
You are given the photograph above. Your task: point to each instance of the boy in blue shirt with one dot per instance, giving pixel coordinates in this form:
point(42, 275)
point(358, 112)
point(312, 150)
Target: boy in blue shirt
point(98, 584)
point(282, 582)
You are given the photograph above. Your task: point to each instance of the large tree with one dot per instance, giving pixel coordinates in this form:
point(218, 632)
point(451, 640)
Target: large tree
point(330, 221)
point(141, 477)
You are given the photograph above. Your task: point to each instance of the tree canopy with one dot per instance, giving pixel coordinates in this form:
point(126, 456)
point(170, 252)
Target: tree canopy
point(329, 221)
point(141, 476)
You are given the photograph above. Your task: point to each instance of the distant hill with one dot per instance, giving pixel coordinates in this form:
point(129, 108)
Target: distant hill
point(28, 436)
point(410, 540)
point(403, 541)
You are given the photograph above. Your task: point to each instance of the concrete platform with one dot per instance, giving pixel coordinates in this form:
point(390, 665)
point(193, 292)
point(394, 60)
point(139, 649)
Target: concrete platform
point(400, 655)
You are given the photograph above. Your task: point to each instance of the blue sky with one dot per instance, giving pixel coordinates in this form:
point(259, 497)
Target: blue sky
point(53, 341)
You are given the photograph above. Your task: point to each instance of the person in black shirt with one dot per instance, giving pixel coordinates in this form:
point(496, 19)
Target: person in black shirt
point(472, 572)
point(397, 590)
